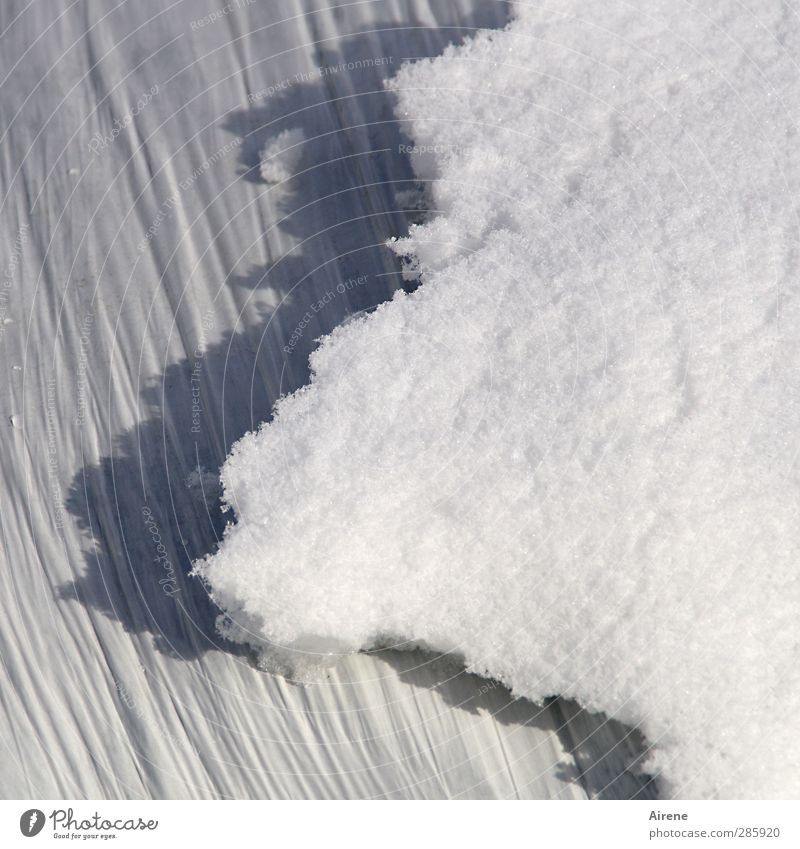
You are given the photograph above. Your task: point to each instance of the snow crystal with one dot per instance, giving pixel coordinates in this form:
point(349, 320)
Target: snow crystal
point(570, 455)
point(281, 156)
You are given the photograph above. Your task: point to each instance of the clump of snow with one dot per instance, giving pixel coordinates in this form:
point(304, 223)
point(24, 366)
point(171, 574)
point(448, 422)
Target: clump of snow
point(204, 485)
point(570, 456)
point(281, 156)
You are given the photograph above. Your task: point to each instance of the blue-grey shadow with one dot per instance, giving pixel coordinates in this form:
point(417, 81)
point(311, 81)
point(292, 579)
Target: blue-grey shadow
point(158, 485)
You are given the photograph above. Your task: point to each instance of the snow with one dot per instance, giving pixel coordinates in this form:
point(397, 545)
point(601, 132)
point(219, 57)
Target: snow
point(281, 156)
point(112, 688)
point(569, 457)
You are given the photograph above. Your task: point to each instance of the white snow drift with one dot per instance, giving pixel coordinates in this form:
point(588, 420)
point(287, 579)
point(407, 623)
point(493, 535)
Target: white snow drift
point(570, 456)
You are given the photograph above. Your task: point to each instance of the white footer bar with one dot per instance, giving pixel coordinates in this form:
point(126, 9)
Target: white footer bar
point(400, 825)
